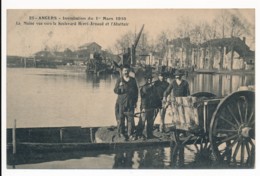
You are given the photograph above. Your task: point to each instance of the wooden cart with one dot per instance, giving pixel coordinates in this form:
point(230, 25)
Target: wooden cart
point(225, 126)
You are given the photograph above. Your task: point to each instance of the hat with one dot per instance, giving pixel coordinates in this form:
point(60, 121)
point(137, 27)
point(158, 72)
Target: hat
point(178, 73)
point(161, 73)
point(125, 66)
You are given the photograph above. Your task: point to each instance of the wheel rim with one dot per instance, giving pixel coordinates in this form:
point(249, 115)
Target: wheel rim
point(232, 129)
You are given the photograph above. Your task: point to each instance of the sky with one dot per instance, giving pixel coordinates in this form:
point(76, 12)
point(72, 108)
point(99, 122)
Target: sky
point(25, 40)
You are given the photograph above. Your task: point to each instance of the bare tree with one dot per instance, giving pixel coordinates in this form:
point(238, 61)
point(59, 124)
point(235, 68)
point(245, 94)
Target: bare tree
point(161, 43)
point(184, 28)
point(237, 28)
point(124, 42)
point(230, 25)
point(143, 44)
point(56, 48)
point(221, 22)
point(128, 39)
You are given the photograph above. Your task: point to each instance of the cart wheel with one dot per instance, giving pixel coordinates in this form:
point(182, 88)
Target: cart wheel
point(232, 129)
point(204, 94)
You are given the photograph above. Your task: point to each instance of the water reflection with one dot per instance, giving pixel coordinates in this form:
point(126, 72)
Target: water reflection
point(191, 156)
point(152, 157)
point(219, 84)
point(123, 160)
point(95, 80)
point(42, 97)
point(141, 158)
point(186, 157)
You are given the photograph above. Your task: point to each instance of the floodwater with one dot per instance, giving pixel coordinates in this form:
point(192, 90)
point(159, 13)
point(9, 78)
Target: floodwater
point(54, 98)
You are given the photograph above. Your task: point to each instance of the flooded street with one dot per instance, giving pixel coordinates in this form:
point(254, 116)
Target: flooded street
point(141, 158)
point(56, 98)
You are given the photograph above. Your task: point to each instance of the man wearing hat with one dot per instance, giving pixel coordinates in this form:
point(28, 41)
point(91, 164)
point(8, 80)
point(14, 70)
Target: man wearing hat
point(160, 86)
point(148, 106)
point(179, 87)
point(127, 91)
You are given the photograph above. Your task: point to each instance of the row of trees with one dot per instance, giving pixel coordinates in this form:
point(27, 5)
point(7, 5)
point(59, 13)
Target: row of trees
point(225, 25)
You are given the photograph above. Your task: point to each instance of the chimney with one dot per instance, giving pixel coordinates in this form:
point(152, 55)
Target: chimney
point(244, 39)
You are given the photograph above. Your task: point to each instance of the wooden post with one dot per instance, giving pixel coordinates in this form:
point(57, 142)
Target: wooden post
point(34, 61)
point(61, 135)
point(14, 137)
point(205, 113)
point(25, 62)
point(91, 135)
point(14, 142)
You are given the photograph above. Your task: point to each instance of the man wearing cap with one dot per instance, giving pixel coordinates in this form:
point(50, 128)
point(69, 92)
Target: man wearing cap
point(179, 87)
point(148, 106)
point(160, 86)
point(127, 90)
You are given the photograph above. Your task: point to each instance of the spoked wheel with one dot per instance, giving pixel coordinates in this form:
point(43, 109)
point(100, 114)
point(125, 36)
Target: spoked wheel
point(232, 129)
point(199, 149)
point(202, 144)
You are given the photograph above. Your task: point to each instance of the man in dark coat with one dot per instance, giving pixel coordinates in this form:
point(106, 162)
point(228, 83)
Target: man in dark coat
point(160, 86)
point(179, 87)
point(149, 102)
point(127, 90)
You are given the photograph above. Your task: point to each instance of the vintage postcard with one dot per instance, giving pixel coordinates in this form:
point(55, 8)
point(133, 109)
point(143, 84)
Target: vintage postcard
point(130, 88)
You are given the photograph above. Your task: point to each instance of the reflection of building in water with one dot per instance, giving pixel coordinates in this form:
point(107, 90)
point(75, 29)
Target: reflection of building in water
point(94, 79)
point(219, 84)
point(99, 81)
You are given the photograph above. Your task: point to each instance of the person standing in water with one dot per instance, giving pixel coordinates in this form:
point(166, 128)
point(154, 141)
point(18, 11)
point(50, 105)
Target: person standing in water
point(127, 91)
point(160, 86)
point(149, 100)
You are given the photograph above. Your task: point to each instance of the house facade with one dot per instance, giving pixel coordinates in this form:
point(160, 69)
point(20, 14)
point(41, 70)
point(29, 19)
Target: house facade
point(178, 53)
point(222, 54)
point(88, 49)
point(226, 53)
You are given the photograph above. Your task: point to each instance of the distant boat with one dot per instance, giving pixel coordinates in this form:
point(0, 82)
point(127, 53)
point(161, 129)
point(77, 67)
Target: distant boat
point(98, 65)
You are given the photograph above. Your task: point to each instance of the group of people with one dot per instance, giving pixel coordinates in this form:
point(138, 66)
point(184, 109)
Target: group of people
point(153, 99)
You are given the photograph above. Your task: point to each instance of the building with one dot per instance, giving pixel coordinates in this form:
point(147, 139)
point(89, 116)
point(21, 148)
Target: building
point(222, 54)
point(226, 53)
point(179, 53)
point(87, 50)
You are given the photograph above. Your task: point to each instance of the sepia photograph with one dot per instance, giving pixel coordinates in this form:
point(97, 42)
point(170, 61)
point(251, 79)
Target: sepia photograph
point(130, 88)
